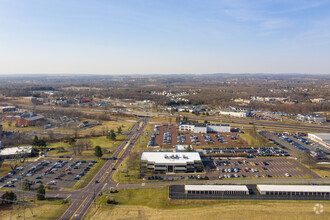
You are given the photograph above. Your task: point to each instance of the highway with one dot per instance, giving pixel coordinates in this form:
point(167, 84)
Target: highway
point(262, 123)
point(82, 199)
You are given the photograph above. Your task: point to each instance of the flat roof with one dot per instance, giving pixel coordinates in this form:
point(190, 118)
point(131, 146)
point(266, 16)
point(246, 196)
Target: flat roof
point(171, 157)
point(203, 124)
point(323, 136)
point(216, 188)
point(34, 118)
point(293, 188)
point(15, 150)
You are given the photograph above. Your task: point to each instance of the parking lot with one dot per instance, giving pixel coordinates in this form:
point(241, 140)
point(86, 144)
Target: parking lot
point(223, 168)
point(296, 142)
point(52, 173)
point(258, 168)
point(170, 135)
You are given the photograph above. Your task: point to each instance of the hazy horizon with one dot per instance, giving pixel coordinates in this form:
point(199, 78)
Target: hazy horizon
point(164, 37)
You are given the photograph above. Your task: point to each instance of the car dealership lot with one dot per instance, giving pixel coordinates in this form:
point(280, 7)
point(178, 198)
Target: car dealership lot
point(52, 173)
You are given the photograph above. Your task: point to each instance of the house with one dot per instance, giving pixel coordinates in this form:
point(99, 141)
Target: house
point(89, 123)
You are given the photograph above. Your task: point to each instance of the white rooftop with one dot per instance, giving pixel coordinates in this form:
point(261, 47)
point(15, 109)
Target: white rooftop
point(293, 188)
point(323, 136)
point(216, 188)
point(15, 150)
point(171, 157)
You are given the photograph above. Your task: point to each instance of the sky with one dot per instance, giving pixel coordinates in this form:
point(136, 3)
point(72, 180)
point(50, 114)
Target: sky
point(164, 36)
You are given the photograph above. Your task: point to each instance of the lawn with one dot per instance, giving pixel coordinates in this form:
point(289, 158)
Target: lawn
point(112, 125)
point(144, 138)
point(162, 120)
point(102, 141)
point(153, 203)
point(10, 126)
point(132, 162)
point(36, 210)
point(254, 139)
point(321, 173)
point(4, 168)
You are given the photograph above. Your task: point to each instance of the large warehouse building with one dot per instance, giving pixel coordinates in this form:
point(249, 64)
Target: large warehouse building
point(204, 128)
point(241, 114)
point(216, 189)
point(169, 162)
point(11, 152)
point(321, 138)
point(301, 190)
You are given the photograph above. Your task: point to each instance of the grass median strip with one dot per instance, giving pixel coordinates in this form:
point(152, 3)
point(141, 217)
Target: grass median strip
point(89, 176)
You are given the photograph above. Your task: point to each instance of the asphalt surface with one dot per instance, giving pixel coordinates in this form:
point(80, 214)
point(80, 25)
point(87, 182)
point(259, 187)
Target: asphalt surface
point(82, 199)
point(262, 123)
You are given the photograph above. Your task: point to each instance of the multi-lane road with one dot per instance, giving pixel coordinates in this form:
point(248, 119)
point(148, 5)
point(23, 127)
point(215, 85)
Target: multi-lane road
point(82, 199)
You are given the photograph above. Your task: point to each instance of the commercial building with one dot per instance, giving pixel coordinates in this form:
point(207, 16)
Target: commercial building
point(204, 128)
point(5, 109)
point(169, 162)
point(10, 152)
point(318, 100)
point(216, 189)
point(294, 190)
point(311, 118)
point(26, 119)
point(240, 114)
point(321, 138)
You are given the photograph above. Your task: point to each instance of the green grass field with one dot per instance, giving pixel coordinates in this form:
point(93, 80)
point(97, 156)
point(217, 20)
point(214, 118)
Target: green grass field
point(37, 210)
point(153, 203)
point(254, 139)
point(102, 141)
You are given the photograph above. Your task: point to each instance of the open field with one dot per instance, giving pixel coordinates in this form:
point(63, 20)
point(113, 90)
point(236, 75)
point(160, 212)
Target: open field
point(320, 172)
point(130, 164)
point(102, 141)
point(254, 139)
point(36, 210)
point(153, 203)
point(109, 125)
point(4, 168)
